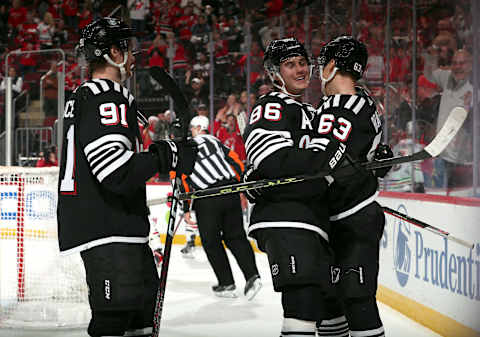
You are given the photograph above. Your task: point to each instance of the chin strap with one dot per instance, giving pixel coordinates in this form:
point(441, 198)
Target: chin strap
point(120, 66)
point(326, 80)
point(282, 87)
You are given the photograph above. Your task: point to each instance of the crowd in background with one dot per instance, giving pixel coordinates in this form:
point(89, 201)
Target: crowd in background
point(176, 34)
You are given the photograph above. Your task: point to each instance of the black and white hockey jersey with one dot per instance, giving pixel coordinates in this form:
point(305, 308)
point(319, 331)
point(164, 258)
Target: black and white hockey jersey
point(353, 120)
point(280, 141)
point(101, 189)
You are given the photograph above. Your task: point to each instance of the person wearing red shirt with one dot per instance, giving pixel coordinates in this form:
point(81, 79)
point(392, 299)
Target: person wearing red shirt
point(230, 136)
point(70, 13)
point(17, 14)
point(49, 158)
point(85, 16)
point(157, 51)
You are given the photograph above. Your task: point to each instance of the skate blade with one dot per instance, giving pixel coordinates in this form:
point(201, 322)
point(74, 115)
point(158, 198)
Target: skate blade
point(188, 255)
point(226, 294)
point(254, 290)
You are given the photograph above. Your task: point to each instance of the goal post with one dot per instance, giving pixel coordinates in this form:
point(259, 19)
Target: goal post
point(38, 287)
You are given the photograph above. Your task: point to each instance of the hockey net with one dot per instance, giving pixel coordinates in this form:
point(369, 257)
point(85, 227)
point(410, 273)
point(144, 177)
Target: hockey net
point(38, 287)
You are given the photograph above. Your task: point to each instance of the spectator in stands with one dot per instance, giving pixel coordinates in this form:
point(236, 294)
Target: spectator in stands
point(202, 110)
point(50, 95)
point(85, 15)
point(231, 107)
point(70, 14)
point(201, 67)
point(200, 31)
point(17, 87)
point(233, 33)
point(46, 29)
point(60, 35)
point(196, 93)
point(28, 30)
point(148, 132)
point(162, 127)
point(230, 136)
point(457, 90)
point(28, 61)
point(49, 158)
point(17, 14)
point(138, 9)
point(17, 82)
point(180, 60)
point(157, 52)
point(256, 61)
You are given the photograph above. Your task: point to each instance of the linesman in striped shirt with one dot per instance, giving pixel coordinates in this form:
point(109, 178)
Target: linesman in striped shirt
point(220, 218)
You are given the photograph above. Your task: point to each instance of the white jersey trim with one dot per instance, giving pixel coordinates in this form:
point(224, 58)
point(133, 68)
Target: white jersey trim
point(380, 332)
point(288, 224)
point(105, 241)
point(355, 209)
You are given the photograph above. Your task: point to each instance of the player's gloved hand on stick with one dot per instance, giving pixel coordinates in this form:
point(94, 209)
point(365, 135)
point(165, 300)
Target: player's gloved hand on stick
point(383, 151)
point(251, 175)
point(175, 155)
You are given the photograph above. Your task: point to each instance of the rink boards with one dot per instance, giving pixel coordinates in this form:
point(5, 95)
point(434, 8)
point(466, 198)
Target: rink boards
point(426, 277)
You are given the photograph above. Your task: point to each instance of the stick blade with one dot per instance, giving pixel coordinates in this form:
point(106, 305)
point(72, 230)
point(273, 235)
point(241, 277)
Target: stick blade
point(448, 131)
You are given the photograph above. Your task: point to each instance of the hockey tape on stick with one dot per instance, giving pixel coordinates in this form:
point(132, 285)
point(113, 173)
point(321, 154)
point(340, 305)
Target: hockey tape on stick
point(439, 143)
point(428, 227)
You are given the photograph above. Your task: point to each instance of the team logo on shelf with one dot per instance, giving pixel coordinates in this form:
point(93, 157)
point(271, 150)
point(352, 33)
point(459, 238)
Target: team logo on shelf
point(402, 254)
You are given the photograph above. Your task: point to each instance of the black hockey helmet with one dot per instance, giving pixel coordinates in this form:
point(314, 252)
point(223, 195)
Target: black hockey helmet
point(350, 55)
point(99, 36)
point(280, 50)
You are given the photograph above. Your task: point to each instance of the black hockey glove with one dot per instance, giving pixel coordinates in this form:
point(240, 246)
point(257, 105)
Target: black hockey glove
point(254, 195)
point(175, 155)
point(383, 151)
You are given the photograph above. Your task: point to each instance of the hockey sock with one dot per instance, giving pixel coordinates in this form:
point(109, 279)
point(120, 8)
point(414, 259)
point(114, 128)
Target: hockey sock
point(363, 317)
point(334, 327)
point(293, 327)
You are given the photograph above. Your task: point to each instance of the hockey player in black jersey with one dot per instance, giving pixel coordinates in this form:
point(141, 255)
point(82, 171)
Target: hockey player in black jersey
point(290, 223)
point(102, 212)
point(357, 220)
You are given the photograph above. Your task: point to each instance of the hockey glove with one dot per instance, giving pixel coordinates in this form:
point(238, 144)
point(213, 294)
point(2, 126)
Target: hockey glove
point(254, 195)
point(383, 151)
point(175, 155)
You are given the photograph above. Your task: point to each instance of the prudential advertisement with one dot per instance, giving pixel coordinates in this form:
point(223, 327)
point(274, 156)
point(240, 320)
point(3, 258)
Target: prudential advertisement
point(428, 268)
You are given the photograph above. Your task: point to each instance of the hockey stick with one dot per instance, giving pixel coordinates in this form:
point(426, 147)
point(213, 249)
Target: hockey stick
point(169, 84)
point(437, 145)
point(426, 226)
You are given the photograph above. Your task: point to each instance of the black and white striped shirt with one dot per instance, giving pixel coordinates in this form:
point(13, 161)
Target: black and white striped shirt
point(216, 163)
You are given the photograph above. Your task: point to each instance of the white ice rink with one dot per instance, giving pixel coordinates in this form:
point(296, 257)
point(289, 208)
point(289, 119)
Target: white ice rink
point(191, 309)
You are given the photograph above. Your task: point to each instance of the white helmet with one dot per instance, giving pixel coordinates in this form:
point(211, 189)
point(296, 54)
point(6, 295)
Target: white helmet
point(200, 121)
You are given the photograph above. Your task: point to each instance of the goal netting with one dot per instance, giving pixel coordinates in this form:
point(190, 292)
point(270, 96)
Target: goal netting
point(38, 287)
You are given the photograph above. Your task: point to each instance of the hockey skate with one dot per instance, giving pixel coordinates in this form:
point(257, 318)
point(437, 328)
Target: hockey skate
point(187, 251)
point(252, 287)
point(225, 291)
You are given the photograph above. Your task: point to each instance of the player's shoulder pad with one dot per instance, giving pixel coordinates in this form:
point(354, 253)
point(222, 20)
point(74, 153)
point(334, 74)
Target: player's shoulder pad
point(106, 89)
point(276, 96)
point(352, 103)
